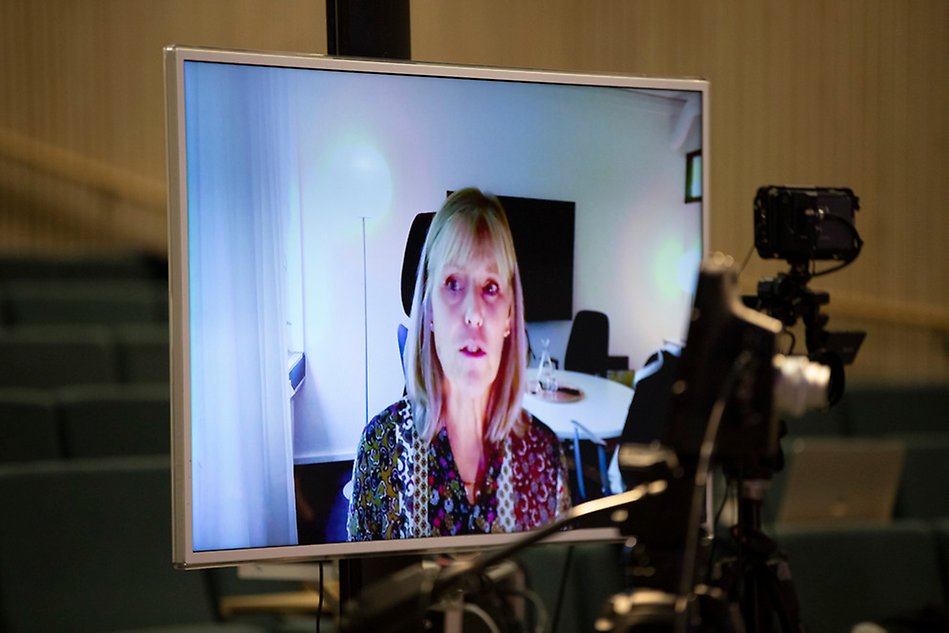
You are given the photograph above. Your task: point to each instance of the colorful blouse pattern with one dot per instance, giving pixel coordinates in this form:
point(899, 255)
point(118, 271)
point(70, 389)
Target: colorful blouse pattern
point(405, 489)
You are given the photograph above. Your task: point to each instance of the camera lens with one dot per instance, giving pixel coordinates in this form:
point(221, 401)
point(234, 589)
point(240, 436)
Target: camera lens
point(835, 388)
point(801, 385)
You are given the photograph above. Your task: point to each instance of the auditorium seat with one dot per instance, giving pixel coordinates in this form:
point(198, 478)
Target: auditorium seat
point(15, 267)
point(57, 356)
point(590, 573)
point(142, 352)
point(107, 302)
point(862, 573)
point(874, 409)
point(85, 547)
point(832, 421)
point(28, 425)
point(129, 265)
point(941, 528)
point(924, 486)
point(114, 420)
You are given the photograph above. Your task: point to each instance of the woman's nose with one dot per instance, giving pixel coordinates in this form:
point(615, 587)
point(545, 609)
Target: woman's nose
point(473, 312)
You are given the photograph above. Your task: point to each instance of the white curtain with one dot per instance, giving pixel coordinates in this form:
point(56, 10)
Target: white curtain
point(240, 163)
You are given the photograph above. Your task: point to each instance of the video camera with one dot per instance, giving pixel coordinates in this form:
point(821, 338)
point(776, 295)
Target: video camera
point(801, 224)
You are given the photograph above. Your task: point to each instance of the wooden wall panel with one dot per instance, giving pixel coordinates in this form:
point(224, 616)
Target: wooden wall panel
point(88, 75)
point(83, 81)
point(836, 92)
point(830, 92)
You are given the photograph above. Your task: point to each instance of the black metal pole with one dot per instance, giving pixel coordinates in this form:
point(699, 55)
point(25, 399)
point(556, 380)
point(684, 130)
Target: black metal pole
point(368, 28)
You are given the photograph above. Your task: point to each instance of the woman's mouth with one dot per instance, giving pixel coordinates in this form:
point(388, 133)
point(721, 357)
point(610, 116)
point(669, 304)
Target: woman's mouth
point(472, 351)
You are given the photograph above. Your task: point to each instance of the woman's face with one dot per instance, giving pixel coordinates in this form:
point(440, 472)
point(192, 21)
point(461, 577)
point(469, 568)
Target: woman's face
point(471, 316)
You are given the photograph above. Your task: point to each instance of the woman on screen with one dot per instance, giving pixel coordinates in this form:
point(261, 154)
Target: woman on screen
point(458, 454)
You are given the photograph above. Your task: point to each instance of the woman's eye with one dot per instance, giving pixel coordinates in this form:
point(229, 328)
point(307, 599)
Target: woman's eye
point(492, 289)
point(453, 284)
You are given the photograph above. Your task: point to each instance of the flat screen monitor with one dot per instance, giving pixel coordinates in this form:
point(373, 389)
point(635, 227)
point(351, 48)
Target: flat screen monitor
point(294, 185)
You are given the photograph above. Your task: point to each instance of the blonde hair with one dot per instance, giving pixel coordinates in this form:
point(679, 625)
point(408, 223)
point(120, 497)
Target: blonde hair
point(468, 220)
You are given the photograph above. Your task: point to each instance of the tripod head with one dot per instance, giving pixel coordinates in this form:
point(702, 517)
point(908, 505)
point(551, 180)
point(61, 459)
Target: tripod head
point(804, 225)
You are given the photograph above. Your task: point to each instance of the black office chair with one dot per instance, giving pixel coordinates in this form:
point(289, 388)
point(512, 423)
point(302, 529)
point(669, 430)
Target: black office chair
point(588, 352)
point(410, 261)
point(650, 407)
point(413, 254)
point(648, 413)
point(588, 348)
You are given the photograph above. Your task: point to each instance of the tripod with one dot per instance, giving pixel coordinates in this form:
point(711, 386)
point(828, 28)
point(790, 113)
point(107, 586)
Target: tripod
point(758, 576)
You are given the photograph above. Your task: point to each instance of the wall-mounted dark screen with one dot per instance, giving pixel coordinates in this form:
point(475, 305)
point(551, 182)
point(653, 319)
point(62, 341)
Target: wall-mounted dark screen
point(543, 239)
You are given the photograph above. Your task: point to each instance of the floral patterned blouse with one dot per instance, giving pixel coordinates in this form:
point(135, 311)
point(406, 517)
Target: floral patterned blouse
point(403, 488)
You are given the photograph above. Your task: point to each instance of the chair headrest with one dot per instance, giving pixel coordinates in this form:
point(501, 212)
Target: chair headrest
point(413, 254)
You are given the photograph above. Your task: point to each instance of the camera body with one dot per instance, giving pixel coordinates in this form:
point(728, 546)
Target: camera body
point(801, 224)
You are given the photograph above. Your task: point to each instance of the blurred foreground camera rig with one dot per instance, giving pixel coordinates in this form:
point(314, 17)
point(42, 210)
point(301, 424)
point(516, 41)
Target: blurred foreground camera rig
point(731, 384)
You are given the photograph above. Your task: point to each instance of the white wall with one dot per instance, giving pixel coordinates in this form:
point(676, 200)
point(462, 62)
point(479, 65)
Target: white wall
point(389, 148)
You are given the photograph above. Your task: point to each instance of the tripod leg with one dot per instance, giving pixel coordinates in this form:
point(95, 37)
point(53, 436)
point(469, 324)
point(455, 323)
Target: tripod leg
point(783, 595)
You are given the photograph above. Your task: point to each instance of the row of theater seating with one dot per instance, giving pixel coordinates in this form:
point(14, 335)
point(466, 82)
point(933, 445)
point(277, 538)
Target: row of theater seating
point(96, 319)
point(922, 488)
point(86, 542)
point(911, 415)
point(85, 547)
point(880, 408)
point(897, 573)
point(894, 574)
point(84, 421)
point(134, 266)
point(67, 355)
point(52, 302)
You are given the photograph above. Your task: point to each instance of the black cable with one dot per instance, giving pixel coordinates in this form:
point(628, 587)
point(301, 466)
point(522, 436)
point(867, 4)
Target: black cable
point(393, 597)
point(827, 271)
point(718, 517)
point(747, 257)
point(568, 559)
point(857, 243)
point(540, 611)
point(319, 607)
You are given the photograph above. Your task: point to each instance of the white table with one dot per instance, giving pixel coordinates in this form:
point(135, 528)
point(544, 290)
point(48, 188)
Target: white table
point(602, 410)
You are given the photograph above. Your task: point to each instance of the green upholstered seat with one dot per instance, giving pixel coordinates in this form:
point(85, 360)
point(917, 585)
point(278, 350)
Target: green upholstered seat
point(924, 486)
point(57, 356)
point(593, 573)
point(114, 420)
point(85, 546)
point(106, 302)
point(894, 408)
point(28, 425)
point(143, 352)
point(859, 573)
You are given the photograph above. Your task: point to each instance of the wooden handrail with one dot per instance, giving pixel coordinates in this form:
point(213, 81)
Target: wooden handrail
point(890, 311)
point(151, 194)
point(82, 170)
point(854, 305)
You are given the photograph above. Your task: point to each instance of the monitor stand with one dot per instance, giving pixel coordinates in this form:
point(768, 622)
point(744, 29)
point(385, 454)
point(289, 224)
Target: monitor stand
point(357, 573)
